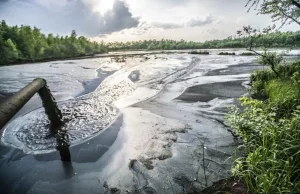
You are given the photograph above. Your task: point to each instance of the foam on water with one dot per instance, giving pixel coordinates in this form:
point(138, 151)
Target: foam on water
point(84, 117)
point(88, 115)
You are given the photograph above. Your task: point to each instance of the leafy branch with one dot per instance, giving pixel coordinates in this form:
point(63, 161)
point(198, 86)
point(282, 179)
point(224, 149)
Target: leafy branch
point(266, 58)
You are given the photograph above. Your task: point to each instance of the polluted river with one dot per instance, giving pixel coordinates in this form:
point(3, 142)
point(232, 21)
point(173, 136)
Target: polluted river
point(134, 123)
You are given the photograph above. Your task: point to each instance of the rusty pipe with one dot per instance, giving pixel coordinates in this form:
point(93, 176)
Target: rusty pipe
point(13, 104)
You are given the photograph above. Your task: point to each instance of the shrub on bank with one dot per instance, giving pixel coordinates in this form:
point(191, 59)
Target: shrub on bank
point(270, 129)
point(272, 147)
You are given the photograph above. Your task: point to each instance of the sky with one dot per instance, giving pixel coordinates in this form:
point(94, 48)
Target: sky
point(127, 20)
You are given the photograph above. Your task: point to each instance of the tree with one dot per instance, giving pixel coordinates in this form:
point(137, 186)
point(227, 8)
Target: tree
point(9, 52)
point(29, 44)
point(272, 59)
point(285, 11)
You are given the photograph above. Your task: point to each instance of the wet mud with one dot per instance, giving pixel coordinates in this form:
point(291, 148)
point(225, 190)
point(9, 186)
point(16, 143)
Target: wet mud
point(208, 92)
point(236, 69)
point(167, 139)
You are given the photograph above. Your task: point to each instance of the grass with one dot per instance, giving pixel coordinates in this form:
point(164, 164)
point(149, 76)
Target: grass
point(270, 129)
point(284, 96)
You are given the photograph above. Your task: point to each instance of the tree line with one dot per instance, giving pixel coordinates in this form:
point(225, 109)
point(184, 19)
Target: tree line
point(275, 39)
point(27, 44)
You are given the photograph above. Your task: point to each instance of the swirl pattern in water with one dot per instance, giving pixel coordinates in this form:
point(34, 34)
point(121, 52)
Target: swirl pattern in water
point(84, 116)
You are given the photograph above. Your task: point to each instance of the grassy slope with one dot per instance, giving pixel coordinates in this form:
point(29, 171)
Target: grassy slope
point(270, 128)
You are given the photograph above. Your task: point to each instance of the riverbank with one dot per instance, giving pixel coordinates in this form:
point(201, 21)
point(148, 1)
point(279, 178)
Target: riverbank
point(132, 53)
point(269, 127)
point(22, 62)
point(230, 185)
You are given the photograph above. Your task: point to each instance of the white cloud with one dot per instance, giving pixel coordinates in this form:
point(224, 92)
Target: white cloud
point(194, 22)
point(135, 19)
point(200, 21)
point(73, 15)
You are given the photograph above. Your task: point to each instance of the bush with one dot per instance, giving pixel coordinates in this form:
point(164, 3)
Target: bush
point(271, 59)
point(272, 164)
point(260, 77)
point(283, 97)
point(270, 130)
point(258, 82)
point(286, 71)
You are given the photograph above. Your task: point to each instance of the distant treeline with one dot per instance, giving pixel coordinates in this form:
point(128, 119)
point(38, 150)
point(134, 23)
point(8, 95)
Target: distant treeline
point(278, 39)
point(26, 44)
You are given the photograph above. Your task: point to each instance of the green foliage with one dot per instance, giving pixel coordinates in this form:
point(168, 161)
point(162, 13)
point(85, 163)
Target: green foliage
point(287, 71)
point(275, 39)
point(10, 51)
point(285, 11)
point(25, 44)
point(260, 78)
point(272, 164)
point(32, 45)
point(283, 97)
point(271, 132)
point(272, 59)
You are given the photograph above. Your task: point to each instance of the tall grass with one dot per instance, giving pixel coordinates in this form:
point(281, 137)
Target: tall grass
point(270, 129)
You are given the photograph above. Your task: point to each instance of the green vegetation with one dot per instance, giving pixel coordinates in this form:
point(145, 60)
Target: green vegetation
point(270, 128)
point(199, 52)
point(26, 44)
point(226, 53)
point(270, 122)
point(284, 11)
point(275, 40)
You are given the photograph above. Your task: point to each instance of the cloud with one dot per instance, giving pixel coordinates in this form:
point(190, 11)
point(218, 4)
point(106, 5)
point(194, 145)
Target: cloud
point(145, 27)
point(167, 25)
point(117, 19)
point(69, 15)
point(212, 31)
point(194, 22)
point(92, 23)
